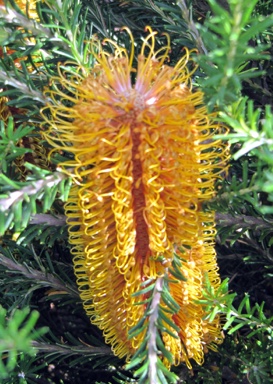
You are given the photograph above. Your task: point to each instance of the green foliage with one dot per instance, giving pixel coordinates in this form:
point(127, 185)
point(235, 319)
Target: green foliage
point(260, 323)
point(216, 302)
point(16, 334)
point(31, 277)
point(63, 20)
point(252, 129)
point(227, 36)
point(19, 199)
point(239, 360)
point(9, 139)
point(148, 357)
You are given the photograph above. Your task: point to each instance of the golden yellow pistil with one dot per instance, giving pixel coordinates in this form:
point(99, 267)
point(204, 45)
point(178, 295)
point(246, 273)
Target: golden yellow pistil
point(144, 161)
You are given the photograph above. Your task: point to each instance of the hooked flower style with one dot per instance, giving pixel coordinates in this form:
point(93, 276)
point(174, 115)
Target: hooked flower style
point(144, 161)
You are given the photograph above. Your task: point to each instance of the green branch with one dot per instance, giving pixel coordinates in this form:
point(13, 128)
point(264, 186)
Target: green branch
point(16, 207)
point(44, 279)
point(243, 221)
point(34, 188)
point(9, 79)
point(153, 331)
point(47, 219)
point(68, 350)
point(192, 27)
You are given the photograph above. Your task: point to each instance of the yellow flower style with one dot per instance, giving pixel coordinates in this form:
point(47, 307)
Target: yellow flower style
point(144, 161)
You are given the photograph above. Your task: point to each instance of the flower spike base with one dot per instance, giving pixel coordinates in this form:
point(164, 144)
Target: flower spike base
point(144, 161)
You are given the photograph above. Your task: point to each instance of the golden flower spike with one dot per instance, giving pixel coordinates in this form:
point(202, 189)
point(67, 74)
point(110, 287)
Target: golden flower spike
point(144, 161)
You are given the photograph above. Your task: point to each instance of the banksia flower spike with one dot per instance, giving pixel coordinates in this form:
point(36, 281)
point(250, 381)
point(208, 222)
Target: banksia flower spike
point(144, 161)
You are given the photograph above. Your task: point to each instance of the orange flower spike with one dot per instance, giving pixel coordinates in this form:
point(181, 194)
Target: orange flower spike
point(144, 162)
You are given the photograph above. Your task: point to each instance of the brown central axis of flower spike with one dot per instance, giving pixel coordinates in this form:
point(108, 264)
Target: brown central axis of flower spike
point(144, 163)
point(139, 202)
